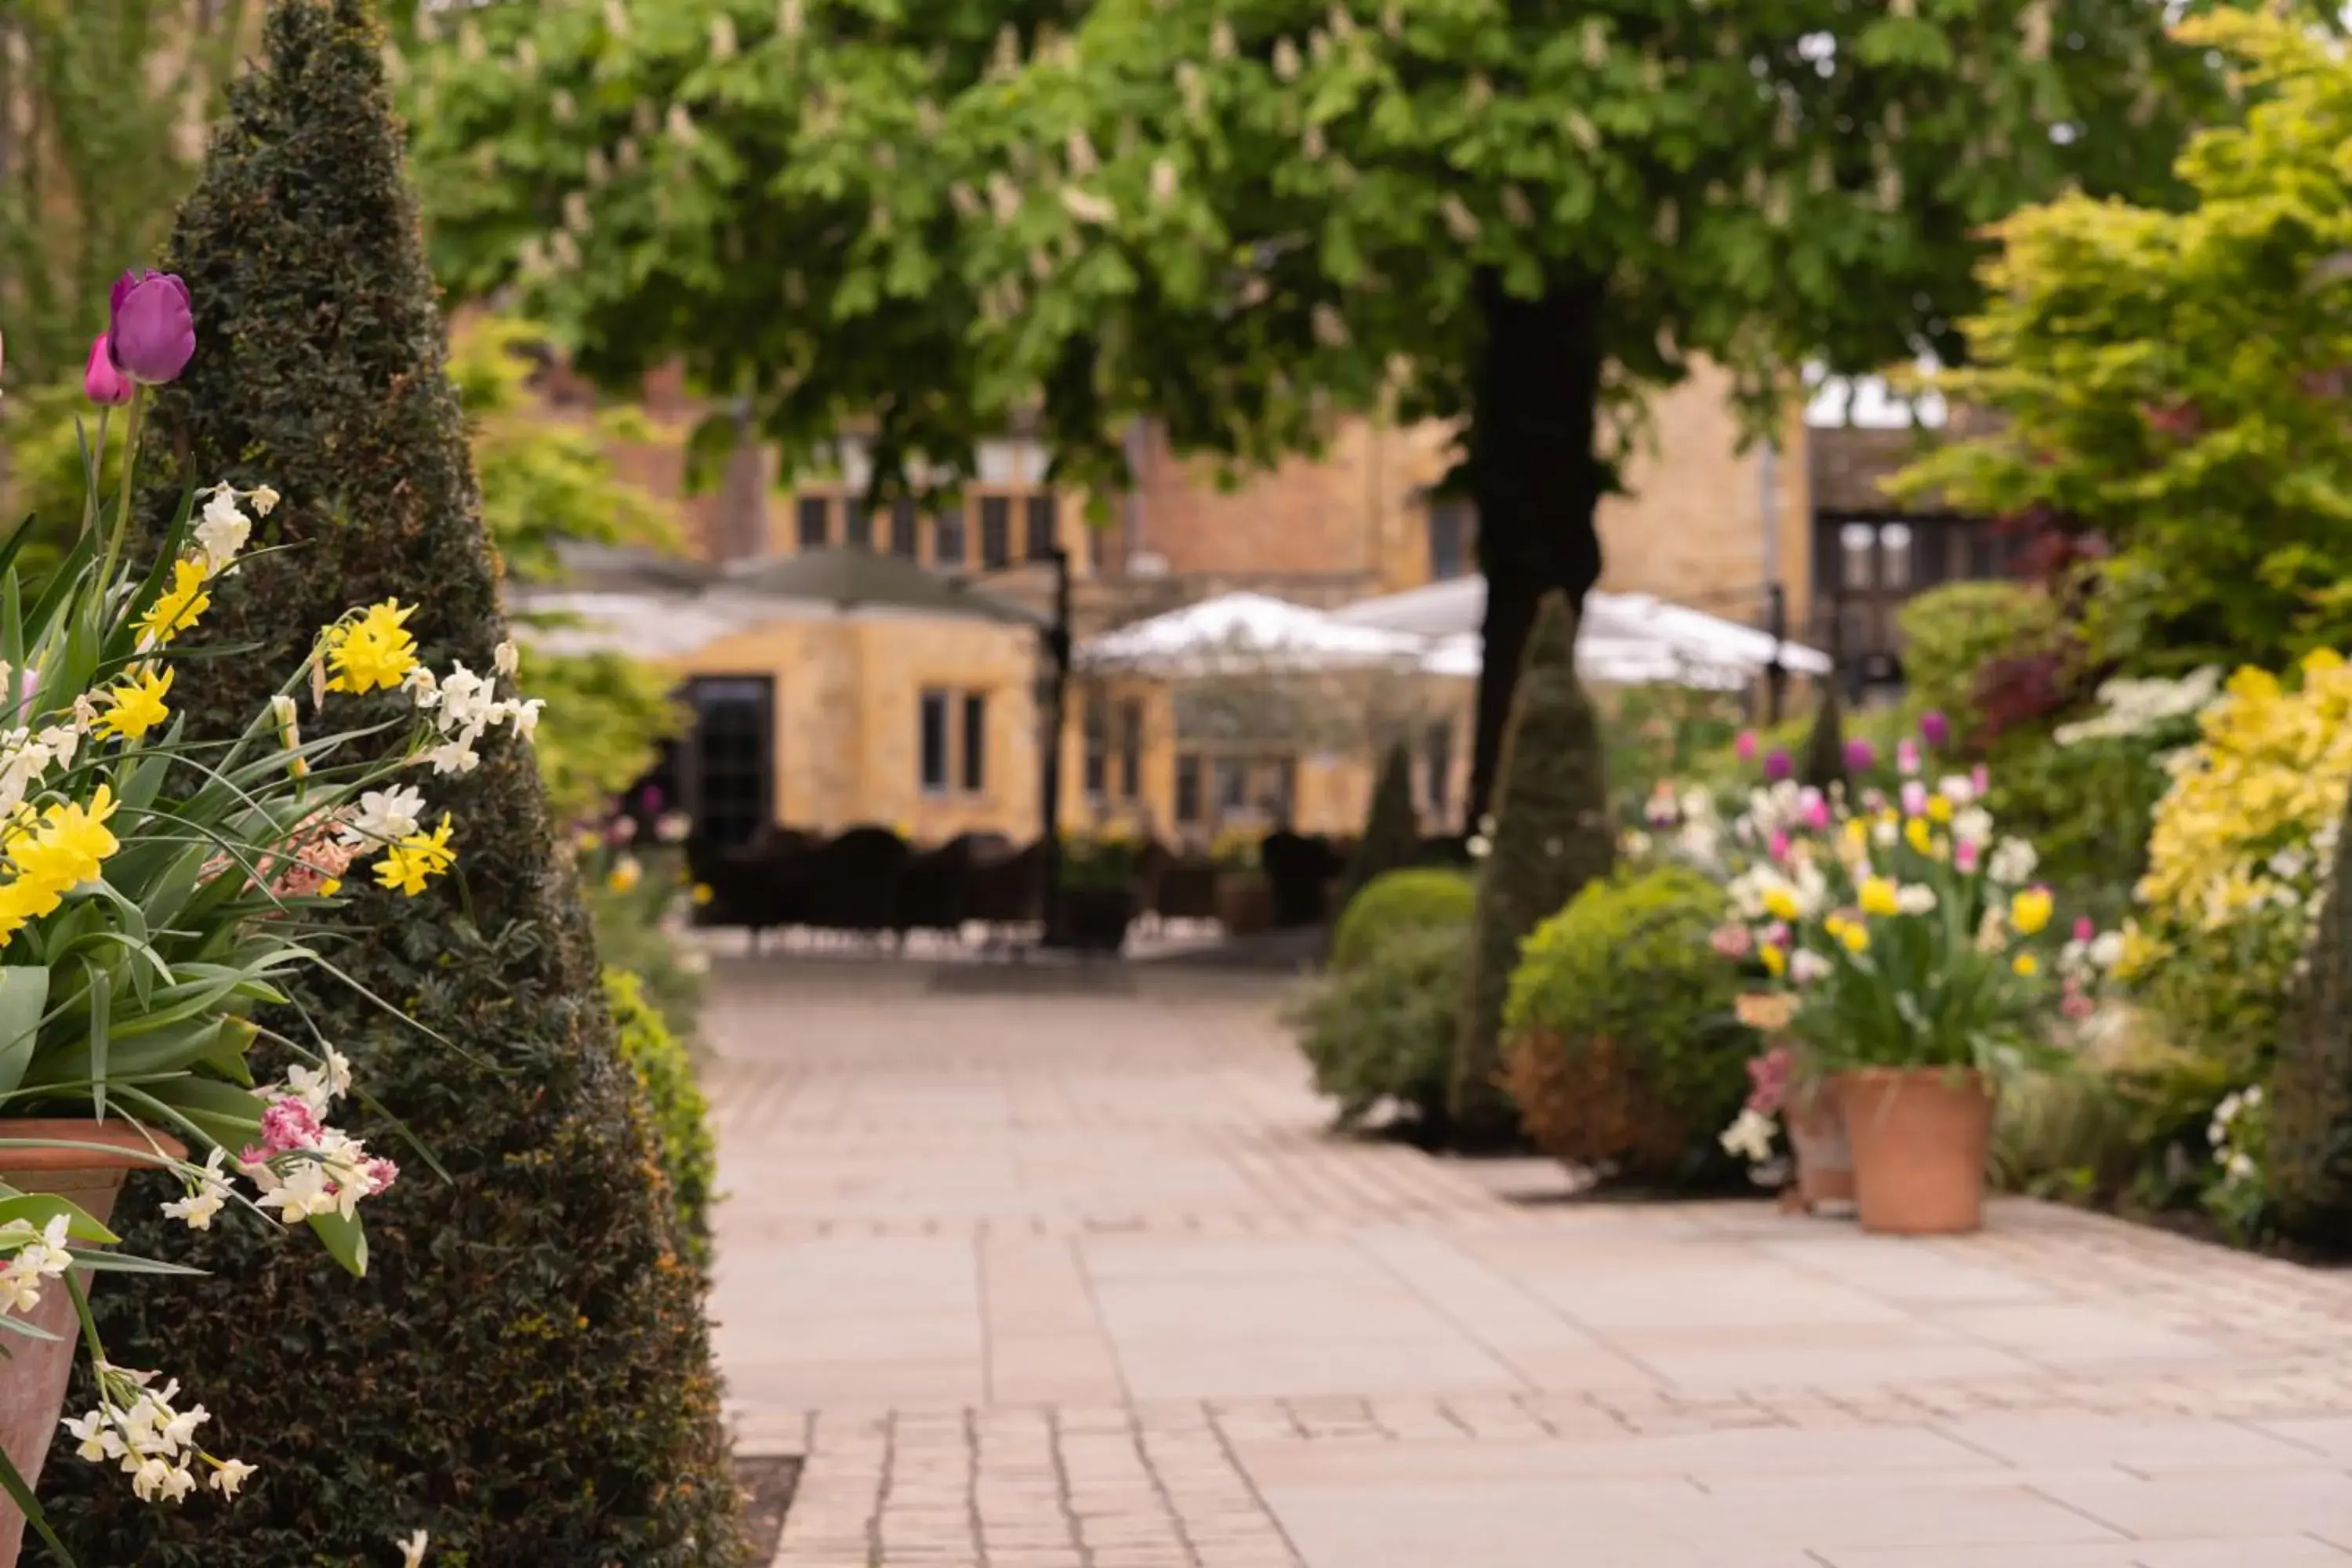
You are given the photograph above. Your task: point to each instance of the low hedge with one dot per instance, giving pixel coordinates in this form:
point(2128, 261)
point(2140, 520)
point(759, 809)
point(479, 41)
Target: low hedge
point(1417, 897)
point(1620, 1042)
point(680, 1115)
point(1382, 1029)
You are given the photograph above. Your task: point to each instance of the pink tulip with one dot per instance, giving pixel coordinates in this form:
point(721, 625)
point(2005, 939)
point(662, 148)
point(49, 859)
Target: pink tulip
point(2085, 928)
point(1860, 756)
point(151, 332)
point(1964, 854)
point(1780, 844)
point(1744, 748)
point(1914, 797)
point(1816, 807)
point(1980, 776)
point(101, 382)
point(1906, 757)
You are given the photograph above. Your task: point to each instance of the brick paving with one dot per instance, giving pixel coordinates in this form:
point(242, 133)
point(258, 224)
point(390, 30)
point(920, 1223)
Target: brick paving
point(1080, 1281)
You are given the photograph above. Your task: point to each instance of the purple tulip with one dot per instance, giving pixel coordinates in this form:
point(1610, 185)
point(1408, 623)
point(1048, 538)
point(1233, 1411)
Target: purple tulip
point(1744, 748)
point(101, 382)
point(1777, 766)
point(1859, 756)
point(1934, 728)
point(149, 332)
point(653, 800)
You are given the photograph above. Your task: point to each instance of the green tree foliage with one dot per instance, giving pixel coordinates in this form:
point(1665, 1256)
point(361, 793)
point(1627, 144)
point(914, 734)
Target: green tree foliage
point(1552, 835)
point(1519, 215)
point(1951, 632)
point(1392, 836)
point(525, 1371)
point(94, 151)
point(2174, 380)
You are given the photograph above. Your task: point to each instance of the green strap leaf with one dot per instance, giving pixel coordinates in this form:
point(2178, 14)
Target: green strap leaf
point(23, 996)
point(37, 1209)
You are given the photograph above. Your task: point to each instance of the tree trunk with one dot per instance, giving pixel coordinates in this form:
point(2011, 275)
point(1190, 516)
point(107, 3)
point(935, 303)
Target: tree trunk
point(1535, 394)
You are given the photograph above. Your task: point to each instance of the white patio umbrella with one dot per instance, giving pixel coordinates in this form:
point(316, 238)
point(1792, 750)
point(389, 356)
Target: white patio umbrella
point(1240, 634)
point(1625, 632)
point(1600, 660)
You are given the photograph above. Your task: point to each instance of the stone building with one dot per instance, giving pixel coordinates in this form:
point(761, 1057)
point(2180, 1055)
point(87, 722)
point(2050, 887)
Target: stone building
point(933, 727)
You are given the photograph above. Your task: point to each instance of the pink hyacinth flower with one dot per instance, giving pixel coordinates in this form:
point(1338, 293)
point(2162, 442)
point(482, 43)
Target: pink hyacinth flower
point(289, 1124)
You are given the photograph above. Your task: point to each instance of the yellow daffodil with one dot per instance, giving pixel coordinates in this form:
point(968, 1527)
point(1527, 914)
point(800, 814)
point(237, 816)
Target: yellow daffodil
point(136, 705)
point(1775, 961)
point(1879, 896)
point(1856, 937)
point(2029, 911)
point(175, 609)
point(1780, 904)
point(417, 860)
point(2025, 964)
point(1916, 833)
point(373, 651)
point(71, 843)
point(1939, 809)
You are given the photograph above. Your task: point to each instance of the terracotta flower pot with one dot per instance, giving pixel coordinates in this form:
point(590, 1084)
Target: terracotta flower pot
point(34, 1376)
point(1245, 902)
point(1817, 1138)
point(1919, 1137)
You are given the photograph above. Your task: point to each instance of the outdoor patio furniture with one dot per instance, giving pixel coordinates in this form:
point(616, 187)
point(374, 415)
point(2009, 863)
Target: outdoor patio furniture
point(935, 889)
point(1299, 868)
point(853, 881)
point(1187, 890)
point(1007, 889)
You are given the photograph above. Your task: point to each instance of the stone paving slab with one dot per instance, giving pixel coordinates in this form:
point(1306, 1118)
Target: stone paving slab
point(1081, 1281)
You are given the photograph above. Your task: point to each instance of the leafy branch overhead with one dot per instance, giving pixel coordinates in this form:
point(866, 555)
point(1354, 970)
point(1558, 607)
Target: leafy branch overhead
point(1239, 216)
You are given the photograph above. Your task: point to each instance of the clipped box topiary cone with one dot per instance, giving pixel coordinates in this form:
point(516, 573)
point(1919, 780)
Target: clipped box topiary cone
point(525, 1371)
point(1551, 836)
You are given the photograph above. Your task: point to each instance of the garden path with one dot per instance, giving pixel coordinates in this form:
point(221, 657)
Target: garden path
point(1079, 1281)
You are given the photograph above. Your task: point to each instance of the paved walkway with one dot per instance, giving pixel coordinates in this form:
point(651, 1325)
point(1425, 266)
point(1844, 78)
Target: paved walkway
point(1078, 1283)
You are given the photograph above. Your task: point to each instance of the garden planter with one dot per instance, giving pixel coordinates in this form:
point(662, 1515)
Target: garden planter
point(1245, 902)
point(1817, 1138)
point(1919, 1138)
point(1094, 919)
point(33, 1378)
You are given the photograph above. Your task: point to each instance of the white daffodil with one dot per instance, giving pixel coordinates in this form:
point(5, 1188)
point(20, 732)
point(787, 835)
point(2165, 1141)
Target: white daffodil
point(412, 1551)
point(467, 701)
point(95, 1434)
point(457, 756)
point(228, 1475)
point(506, 659)
point(523, 714)
point(2012, 862)
point(222, 531)
point(384, 815)
point(1915, 898)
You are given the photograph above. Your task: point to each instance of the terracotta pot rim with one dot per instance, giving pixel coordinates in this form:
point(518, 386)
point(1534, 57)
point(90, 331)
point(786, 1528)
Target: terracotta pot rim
point(1881, 1074)
point(136, 1147)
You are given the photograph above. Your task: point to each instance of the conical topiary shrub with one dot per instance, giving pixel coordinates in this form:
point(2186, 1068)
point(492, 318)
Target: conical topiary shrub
point(1551, 836)
point(525, 1371)
point(2310, 1099)
point(1391, 835)
point(1824, 759)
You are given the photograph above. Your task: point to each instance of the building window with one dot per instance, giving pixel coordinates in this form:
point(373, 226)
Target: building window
point(857, 525)
point(947, 538)
point(1188, 788)
point(904, 528)
point(729, 758)
point(1097, 748)
point(975, 741)
point(1894, 556)
point(1450, 530)
point(813, 522)
point(995, 532)
point(1857, 542)
point(1131, 750)
point(1438, 759)
point(1043, 516)
point(1231, 776)
point(933, 741)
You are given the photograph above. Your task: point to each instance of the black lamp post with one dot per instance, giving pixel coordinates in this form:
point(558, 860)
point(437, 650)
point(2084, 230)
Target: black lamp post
point(1054, 690)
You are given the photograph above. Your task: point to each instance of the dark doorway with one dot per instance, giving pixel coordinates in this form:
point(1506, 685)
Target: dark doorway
point(726, 769)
